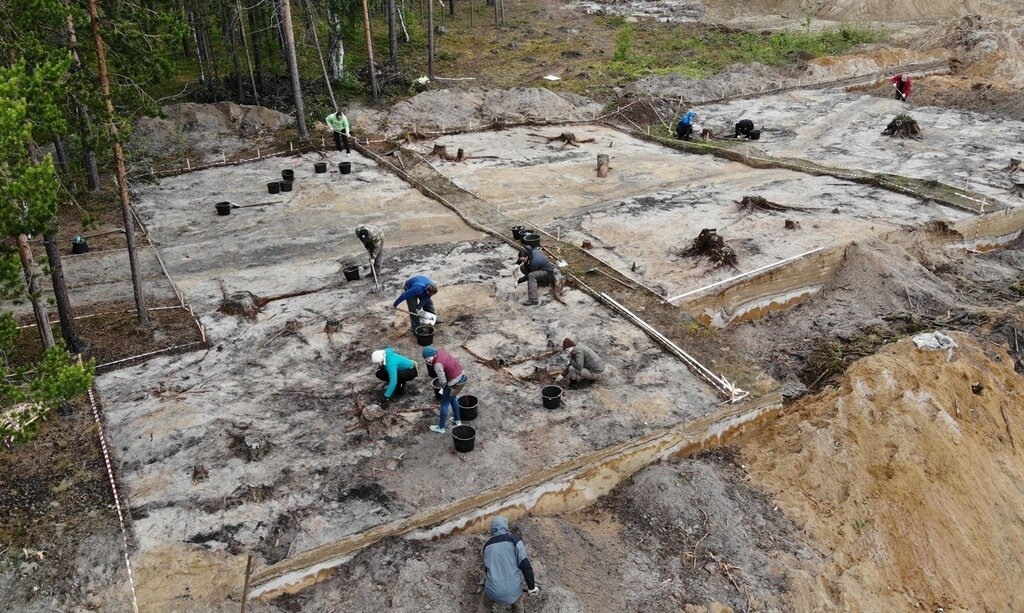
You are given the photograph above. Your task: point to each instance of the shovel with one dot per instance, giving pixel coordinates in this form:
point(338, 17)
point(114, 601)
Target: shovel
point(376, 282)
point(245, 206)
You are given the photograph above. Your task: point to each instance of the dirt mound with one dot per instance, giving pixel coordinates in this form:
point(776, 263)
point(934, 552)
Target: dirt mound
point(913, 481)
point(457, 109)
point(205, 130)
point(850, 10)
point(736, 79)
point(876, 279)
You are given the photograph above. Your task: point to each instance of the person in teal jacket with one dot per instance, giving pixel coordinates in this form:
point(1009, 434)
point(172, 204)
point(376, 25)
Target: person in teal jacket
point(394, 368)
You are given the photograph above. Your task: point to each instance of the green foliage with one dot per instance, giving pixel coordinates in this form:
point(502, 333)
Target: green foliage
point(28, 395)
point(623, 45)
point(705, 53)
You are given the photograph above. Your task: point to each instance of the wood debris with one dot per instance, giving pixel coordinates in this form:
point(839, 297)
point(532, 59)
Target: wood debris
point(903, 126)
point(566, 138)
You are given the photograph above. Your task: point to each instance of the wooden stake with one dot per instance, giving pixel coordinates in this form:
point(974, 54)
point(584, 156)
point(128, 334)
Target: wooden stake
point(245, 586)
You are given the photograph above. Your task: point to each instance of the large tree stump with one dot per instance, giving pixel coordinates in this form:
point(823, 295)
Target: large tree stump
point(602, 165)
point(712, 246)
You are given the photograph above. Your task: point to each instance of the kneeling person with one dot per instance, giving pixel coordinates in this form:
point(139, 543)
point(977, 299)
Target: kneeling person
point(584, 363)
point(744, 128)
point(394, 368)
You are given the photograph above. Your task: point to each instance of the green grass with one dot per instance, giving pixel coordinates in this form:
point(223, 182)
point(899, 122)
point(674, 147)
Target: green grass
point(702, 54)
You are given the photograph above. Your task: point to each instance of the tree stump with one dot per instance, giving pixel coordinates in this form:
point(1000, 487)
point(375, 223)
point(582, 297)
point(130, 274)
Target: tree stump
point(602, 165)
point(792, 225)
point(245, 304)
point(1013, 166)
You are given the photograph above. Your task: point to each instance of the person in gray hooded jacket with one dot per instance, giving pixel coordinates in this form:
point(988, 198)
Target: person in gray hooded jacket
point(507, 566)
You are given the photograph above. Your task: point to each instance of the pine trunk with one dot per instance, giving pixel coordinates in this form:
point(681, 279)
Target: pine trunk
point(122, 175)
point(369, 49)
point(393, 33)
point(256, 37)
point(230, 37)
point(335, 44)
point(92, 170)
point(28, 265)
point(430, 39)
point(293, 67)
point(245, 47)
point(68, 329)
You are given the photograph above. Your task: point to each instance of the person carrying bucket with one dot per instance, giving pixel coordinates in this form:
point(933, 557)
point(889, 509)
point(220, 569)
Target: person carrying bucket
point(507, 567)
point(584, 364)
point(338, 124)
point(372, 238)
point(452, 378)
point(538, 270)
point(394, 368)
point(418, 297)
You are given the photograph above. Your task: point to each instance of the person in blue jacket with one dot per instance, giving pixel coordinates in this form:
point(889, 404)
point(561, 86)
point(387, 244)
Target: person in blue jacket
point(394, 368)
point(418, 294)
point(684, 129)
point(507, 567)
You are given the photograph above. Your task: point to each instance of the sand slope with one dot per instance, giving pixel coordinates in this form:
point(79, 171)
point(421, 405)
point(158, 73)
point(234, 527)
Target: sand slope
point(909, 479)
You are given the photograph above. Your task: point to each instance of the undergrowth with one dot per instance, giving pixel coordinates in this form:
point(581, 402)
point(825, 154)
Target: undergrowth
point(699, 54)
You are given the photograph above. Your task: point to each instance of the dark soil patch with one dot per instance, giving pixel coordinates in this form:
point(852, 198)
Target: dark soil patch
point(97, 216)
point(55, 498)
point(115, 335)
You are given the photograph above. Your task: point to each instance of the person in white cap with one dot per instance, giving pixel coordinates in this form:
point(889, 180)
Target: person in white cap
point(394, 368)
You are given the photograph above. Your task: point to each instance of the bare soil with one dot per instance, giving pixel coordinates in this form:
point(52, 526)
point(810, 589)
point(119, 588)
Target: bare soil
point(60, 542)
point(115, 334)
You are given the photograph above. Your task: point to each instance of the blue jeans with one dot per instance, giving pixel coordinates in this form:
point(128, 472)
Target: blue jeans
point(449, 397)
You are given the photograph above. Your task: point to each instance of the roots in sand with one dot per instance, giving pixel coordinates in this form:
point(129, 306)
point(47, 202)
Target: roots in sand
point(441, 151)
point(567, 138)
point(903, 126)
point(757, 203)
point(709, 244)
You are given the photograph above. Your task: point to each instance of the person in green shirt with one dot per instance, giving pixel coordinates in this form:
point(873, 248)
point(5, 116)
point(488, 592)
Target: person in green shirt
point(338, 124)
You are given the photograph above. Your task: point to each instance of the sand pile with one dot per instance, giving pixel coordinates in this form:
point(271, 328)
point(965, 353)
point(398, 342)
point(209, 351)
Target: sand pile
point(914, 482)
point(457, 109)
point(205, 130)
point(875, 10)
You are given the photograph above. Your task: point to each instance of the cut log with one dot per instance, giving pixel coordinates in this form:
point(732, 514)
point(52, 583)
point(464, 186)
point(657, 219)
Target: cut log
point(602, 165)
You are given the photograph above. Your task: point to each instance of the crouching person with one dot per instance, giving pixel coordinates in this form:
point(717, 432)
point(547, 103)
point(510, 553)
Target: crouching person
point(584, 364)
point(452, 378)
point(395, 369)
point(507, 567)
point(538, 270)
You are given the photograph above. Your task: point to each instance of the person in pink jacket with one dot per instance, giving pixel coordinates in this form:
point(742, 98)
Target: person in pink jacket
point(452, 378)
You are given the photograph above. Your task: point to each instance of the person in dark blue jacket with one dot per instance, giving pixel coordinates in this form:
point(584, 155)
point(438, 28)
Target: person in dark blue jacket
point(418, 294)
point(684, 129)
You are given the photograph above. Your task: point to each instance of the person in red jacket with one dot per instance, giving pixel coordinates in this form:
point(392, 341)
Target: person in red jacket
point(903, 84)
point(452, 378)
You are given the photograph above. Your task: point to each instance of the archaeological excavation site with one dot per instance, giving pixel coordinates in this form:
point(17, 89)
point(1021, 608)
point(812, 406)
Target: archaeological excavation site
point(719, 306)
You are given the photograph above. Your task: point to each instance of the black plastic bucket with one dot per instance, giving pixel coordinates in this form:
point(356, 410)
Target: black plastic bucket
point(287, 174)
point(345, 167)
point(754, 135)
point(437, 387)
point(425, 336)
point(273, 187)
point(79, 246)
point(551, 395)
point(320, 167)
point(517, 232)
point(531, 239)
point(223, 208)
point(464, 437)
point(286, 186)
point(351, 273)
point(467, 406)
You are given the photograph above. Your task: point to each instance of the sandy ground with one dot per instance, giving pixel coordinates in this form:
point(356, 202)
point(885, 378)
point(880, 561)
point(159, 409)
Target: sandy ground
point(959, 148)
point(910, 479)
point(676, 535)
point(282, 380)
point(656, 201)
